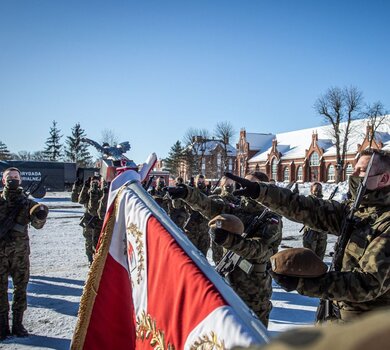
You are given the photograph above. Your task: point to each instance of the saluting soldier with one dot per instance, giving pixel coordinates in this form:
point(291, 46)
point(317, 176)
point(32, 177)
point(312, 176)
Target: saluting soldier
point(361, 283)
point(261, 243)
point(16, 212)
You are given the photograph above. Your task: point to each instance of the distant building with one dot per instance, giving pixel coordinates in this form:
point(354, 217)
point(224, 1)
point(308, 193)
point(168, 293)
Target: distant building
point(309, 154)
point(211, 157)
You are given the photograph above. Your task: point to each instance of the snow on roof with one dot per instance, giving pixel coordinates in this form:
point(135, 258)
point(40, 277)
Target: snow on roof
point(258, 141)
point(210, 147)
point(293, 144)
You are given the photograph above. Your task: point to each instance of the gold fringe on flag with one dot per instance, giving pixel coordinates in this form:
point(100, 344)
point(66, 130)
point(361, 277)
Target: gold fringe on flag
point(93, 280)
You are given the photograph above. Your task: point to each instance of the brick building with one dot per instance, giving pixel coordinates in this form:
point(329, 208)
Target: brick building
point(212, 158)
point(309, 154)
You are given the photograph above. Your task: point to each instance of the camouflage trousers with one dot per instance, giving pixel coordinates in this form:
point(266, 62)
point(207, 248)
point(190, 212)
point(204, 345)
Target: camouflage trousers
point(315, 241)
point(178, 216)
point(14, 262)
point(255, 290)
point(91, 236)
point(200, 240)
point(217, 251)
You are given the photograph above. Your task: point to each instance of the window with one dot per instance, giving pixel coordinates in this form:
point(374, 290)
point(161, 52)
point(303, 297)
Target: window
point(286, 174)
point(274, 168)
point(219, 160)
point(331, 173)
point(314, 159)
point(230, 164)
point(348, 170)
point(203, 166)
point(299, 174)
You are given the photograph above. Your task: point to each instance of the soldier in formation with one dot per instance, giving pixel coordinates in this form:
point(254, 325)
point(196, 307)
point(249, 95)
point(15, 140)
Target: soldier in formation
point(17, 211)
point(89, 194)
point(361, 284)
point(315, 240)
point(261, 243)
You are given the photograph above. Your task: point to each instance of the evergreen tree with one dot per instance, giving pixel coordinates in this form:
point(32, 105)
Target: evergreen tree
point(4, 152)
point(175, 158)
point(53, 145)
point(76, 150)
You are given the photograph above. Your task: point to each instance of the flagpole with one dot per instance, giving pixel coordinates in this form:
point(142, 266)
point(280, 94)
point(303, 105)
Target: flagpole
point(247, 316)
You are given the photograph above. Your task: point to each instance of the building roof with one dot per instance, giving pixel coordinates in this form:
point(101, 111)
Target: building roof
point(258, 141)
point(210, 147)
point(293, 144)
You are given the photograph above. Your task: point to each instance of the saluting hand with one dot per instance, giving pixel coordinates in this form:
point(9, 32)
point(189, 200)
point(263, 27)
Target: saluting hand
point(179, 191)
point(249, 188)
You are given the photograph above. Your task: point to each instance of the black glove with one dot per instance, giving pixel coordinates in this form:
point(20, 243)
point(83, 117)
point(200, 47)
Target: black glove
point(177, 192)
point(78, 182)
point(219, 235)
point(249, 188)
point(288, 283)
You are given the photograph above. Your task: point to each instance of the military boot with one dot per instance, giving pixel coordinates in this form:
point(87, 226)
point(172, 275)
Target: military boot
point(4, 326)
point(17, 327)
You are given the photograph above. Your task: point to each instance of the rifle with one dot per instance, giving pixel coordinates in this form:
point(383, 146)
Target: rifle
point(331, 196)
point(231, 260)
point(9, 221)
point(216, 185)
point(327, 310)
point(147, 184)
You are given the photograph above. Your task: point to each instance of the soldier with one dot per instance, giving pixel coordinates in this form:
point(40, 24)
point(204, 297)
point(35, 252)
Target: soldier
point(95, 195)
point(315, 240)
point(178, 215)
point(16, 212)
point(159, 194)
point(225, 193)
point(196, 227)
point(89, 197)
point(362, 282)
point(103, 200)
point(256, 288)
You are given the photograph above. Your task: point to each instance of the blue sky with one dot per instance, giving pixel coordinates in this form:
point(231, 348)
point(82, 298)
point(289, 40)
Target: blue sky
point(150, 70)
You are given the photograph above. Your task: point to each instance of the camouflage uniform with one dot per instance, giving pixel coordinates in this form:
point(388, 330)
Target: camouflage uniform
point(160, 198)
point(315, 241)
point(363, 283)
point(15, 250)
point(103, 201)
point(178, 215)
point(256, 288)
point(95, 195)
point(89, 197)
point(228, 199)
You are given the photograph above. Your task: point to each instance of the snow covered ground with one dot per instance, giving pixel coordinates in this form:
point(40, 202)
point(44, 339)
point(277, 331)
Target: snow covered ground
point(59, 268)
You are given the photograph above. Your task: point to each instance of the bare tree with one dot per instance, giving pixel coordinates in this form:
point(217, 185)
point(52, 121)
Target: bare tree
point(376, 114)
point(224, 131)
point(24, 155)
point(195, 140)
point(109, 137)
point(339, 106)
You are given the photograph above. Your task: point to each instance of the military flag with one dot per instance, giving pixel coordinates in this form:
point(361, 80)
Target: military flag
point(150, 288)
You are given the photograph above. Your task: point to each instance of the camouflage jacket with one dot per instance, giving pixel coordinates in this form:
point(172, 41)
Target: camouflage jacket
point(260, 244)
point(8, 200)
point(363, 284)
point(76, 189)
point(95, 194)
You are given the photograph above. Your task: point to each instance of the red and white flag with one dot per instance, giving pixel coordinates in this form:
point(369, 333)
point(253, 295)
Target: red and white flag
point(150, 288)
